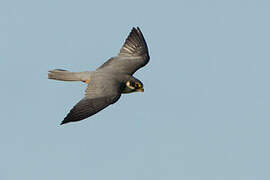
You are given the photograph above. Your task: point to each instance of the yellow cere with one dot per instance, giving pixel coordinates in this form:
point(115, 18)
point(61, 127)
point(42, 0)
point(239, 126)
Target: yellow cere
point(139, 85)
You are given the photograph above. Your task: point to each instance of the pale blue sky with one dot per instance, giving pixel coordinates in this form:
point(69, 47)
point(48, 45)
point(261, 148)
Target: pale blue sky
point(204, 114)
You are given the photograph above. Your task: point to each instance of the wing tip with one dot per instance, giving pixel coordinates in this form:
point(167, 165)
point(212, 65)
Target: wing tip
point(64, 122)
point(137, 29)
point(67, 119)
point(134, 43)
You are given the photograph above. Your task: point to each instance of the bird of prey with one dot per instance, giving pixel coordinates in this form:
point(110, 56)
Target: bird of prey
point(110, 80)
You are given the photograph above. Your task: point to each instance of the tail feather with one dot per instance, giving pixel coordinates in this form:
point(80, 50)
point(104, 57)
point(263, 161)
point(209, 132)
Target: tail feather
point(64, 75)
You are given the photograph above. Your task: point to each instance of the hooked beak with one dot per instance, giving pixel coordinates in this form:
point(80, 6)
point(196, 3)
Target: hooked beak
point(140, 90)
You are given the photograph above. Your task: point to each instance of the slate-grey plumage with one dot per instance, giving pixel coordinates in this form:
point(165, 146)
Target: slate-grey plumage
point(107, 82)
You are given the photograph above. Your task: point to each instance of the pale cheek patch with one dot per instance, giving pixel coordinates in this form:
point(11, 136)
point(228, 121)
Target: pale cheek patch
point(128, 85)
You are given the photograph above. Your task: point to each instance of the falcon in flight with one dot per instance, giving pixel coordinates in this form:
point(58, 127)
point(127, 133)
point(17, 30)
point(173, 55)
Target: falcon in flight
point(110, 80)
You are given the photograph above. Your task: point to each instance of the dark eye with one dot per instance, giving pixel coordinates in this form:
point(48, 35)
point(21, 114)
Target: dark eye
point(132, 84)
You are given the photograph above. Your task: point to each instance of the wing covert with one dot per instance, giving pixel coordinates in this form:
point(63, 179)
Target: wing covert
point(132, 56)
point(100, 93)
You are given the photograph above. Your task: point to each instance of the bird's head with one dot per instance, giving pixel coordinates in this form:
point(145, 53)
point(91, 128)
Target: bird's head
point(133, 85)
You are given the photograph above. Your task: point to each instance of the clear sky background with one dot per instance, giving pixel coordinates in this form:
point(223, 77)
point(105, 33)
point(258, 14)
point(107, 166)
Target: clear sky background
point(204, 114)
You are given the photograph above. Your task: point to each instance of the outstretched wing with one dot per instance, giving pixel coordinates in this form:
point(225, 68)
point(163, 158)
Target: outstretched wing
point(100, 93)
point(132, 56)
